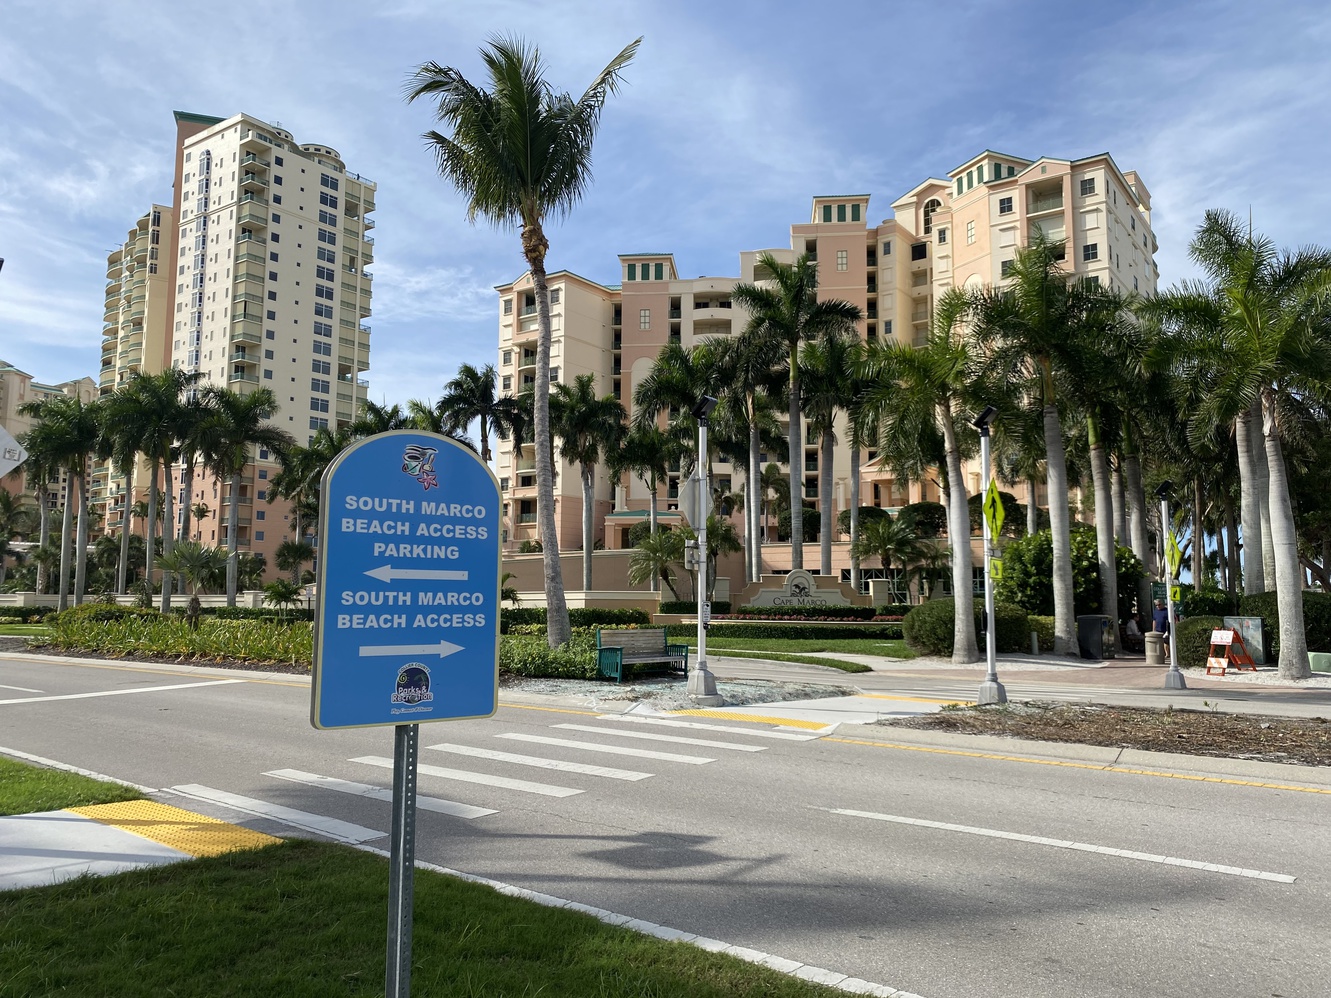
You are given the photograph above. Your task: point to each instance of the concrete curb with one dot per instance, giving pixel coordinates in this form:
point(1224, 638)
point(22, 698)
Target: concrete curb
point(1104, 755)
point(181, 668)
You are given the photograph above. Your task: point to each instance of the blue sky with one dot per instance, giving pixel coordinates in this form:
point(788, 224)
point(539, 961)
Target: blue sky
point(735, 114)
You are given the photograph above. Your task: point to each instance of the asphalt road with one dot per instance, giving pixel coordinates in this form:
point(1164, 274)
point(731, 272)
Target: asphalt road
point(873, 861)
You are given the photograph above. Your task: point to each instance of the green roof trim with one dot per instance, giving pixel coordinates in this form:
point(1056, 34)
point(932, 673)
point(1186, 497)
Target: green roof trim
point(625, 256)
point(197, 119)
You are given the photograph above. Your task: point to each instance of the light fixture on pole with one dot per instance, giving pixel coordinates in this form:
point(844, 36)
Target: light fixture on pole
point(701, 685)
point(1173, 678)
point(991, 690)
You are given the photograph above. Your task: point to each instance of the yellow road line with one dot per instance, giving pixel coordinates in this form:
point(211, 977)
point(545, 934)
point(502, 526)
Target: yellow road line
point(194, 834)
point(788, 722)
point(1194, 777)
point(553, 710)
point(888, 696)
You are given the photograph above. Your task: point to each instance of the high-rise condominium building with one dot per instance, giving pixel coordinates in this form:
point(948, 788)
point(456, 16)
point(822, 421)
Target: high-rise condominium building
point(17, 388)
point(253, 276)
point(959, 230)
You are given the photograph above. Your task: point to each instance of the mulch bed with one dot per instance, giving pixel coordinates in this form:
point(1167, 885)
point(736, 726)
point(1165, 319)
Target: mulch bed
point(1194, 732)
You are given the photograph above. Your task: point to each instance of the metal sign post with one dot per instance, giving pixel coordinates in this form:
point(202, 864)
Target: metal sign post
point(1173, 562)
point(991, 690)
point(407, 618)
point(701, 685)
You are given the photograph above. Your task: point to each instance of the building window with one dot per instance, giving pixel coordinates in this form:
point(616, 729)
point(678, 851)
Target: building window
point(1005, 268)
point(970, 232)
point(644, 317)
point(258, 535)
point(942, 235)
point(1134, 224)
point(508, 357)
point(827, 213)
point(1134, 284)
point(887, 327)
point(887, 248)
point(508, 382)
point(554, 375)
point(508, 306)
point(269, 334)
point(960, 182)
point(660, 271)
point(554, 297)
point(272, 316)
point(320, 366)
point(970, 179)
point(319, 385)
point(1005, 206)
point(503, 485)
point(318, 405)
point(261, 514)
point(841, 213)
point(633, 272)
point(1090, 251)
point(855, 213)
point(919, 251)
point(268, 375)
point(842, 259)
point(930, 206)
point(272, 296)
point(318, 423)
point(1088, 186)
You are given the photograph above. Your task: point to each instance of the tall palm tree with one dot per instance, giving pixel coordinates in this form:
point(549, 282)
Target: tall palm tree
point(588, 427)
point(914, 393)
point(200, 511)
point(1032, 326)
point(15, 517)
point(421, 415)
point(645, 451)
point(237, 424)
point(826, 368)
point(654, 558)
point(471, 397)
point(789, 310)
point(41, 468)
point(375, 418)
point(519, 152)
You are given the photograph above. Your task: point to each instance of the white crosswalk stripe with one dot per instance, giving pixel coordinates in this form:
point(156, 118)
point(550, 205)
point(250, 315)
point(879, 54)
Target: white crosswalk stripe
point(465, 776)
point(541, 763)
point(436, 804)
point(694, 760)
point(678, 739)
point(333, 828)
point(789, 736)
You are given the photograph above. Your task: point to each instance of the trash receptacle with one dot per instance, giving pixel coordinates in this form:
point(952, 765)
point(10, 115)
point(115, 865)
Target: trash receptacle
point(1094, 639)
point(1155, 648)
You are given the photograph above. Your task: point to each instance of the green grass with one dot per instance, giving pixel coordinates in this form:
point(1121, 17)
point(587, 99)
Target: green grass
point(308, 919)
point(22, 630)
point(778, 650)
point(26, 789)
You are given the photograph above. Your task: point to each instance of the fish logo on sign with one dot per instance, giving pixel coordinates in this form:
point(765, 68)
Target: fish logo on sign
point(418, 462)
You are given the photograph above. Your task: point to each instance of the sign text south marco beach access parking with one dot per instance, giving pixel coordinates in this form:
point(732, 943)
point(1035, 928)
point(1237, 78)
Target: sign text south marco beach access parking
point(407, 626)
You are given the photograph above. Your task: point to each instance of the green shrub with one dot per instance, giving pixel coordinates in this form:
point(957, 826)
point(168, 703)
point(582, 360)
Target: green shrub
point(1208, 603)
point(927, 519)
point(929, 627)
point(1044, 630)
point(529, 655)
point(151, 633)
point(689, 606)
point(23, 614)
point(1028, 574)
point(1316, 620)
point(591, 616)
point(892, 610)
point(867, 513)
point(1192, 640)
point(100, 613)
point(792, 632)
point(806, 612)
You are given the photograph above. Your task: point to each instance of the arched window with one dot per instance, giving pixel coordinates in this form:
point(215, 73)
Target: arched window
point(930, 206)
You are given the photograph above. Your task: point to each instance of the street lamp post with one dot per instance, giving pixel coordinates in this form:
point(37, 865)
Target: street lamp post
point(991, 690)
point(701, 684)
point(1173, 678)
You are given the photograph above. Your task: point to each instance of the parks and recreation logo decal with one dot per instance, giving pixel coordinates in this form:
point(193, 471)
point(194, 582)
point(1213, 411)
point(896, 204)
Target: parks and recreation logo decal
point(418, 462)
point(412, 690)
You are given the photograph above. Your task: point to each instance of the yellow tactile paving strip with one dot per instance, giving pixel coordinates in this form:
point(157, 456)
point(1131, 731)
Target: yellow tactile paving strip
point(788, 722)
point(193, 834)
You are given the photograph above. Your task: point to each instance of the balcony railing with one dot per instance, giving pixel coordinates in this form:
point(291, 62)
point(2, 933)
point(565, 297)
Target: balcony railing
point(1038, 204)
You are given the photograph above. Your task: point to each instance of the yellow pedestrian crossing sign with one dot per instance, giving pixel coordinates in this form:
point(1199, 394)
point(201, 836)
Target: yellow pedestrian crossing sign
point(1176, 594)
point(996, 569)
point(1173, 555)
point(993, 509)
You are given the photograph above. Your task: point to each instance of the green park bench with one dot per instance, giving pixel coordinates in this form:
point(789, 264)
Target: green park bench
point(621, 652)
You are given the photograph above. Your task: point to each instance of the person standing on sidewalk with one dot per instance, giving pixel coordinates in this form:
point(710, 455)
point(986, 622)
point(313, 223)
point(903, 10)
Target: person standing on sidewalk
point(1160, 622)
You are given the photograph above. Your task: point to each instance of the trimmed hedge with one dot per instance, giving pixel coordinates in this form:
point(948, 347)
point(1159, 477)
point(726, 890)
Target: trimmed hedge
point(23, 614)
point(689, 606)
point(101, 613)
point(1193, 640)
point(929, 627)
point(807, 612)
point(1044, 629)
point(1316, 620)
point(791, 632)
point(531, 656)
point(578, 617)
point(302, 614)
point(1209, 603)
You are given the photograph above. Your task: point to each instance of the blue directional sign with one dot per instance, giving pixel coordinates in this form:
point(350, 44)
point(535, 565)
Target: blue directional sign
point(407, 626)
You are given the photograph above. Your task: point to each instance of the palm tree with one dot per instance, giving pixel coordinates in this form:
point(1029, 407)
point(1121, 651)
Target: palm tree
point(790, 312)
point(645, 451)
point(200, 511)
point(291, 555)
point(826, 368)
point(519, 152)
point(237, 424)
point(203, 567)
point(587, 427)
point(655, 556)
point(722, 538)
point(471, 397)
point(1032, 326)
point(375, 418)
point(15, 517)
point(891, 542)
point(913, 393)
point(41, 468)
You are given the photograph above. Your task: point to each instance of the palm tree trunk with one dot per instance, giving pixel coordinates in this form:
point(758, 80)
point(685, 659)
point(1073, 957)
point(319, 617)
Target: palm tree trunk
point(1132, 472)
point(1065, 627)
point(796, 466)
point(233, 540)
point(854, 515)
point(65, 540)
point(1120, 503)
point(152, 522)
point(1032, 508)
point(43, 531)
point(1198, 534)
point(485, 441)
point(1232, 541)
point(168, 531)
point(1250, 502)
point(122, 568)
point(81, 543)
point(964, 646)
point(1284, 541)
point(588, 499)
point(654, 584)
point(556, 606)
point(1104, 522)
point(825, 499)
point(1264, 508)
point(754, 508)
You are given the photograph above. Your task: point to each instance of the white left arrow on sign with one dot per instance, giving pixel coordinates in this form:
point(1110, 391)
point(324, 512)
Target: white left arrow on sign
point(12, 453)
point(387, 573)
point(442, 648)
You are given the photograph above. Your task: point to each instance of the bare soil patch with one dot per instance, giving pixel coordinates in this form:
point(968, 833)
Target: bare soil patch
point(1194, 732)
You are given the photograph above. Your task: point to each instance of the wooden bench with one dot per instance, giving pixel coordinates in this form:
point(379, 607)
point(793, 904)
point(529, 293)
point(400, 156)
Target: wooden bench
point(620, 652)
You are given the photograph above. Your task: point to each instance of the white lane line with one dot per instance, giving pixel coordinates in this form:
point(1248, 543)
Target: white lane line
point(679, 739)
point(116, 693)
point(21, 689)
point(466, 776)
point(436, 804)
point(91, 773)
point(695, 760)
point(537, 761)
point(1146, 857)
point(342, 831)
point(699, 725)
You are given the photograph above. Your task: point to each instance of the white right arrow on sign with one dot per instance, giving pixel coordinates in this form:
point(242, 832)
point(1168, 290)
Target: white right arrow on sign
point(443, 649)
